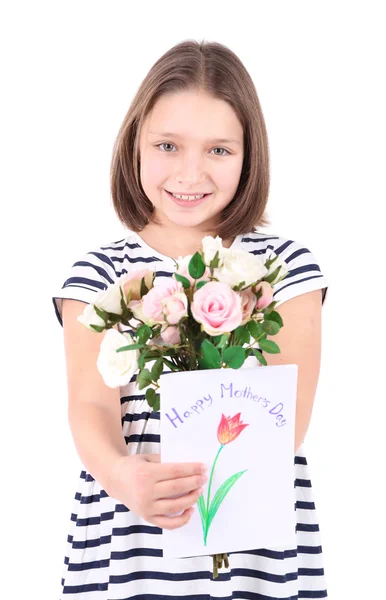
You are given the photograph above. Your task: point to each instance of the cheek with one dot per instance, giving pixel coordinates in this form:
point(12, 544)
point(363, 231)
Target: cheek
point(153, 171)
point(228, 175)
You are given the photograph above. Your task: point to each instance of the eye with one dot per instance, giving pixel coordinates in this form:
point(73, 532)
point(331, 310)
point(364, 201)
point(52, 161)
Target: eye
point(165, 144)
point(225, 150)
point(169, 144)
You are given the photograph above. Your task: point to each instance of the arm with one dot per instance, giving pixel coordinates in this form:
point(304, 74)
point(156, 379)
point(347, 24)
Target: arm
point(94, 410)
point(299, 341)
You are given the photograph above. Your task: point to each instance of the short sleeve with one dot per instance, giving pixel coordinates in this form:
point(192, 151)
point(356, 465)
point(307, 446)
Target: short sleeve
point(304, 273)
point(93, 273)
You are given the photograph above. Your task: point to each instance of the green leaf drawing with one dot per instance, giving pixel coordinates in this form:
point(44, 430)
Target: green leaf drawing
point(203, 513)
point(219, 497)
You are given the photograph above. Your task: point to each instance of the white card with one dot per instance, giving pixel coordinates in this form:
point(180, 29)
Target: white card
point(255, 508)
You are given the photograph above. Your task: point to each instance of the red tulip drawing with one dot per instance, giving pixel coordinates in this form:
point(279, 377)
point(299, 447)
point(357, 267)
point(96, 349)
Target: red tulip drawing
point(228, 430)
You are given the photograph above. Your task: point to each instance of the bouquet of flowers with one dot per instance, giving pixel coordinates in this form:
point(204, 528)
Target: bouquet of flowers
point(210, 314)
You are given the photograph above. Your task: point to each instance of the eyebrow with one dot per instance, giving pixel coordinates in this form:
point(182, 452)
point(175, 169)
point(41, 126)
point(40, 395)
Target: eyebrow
point(214, 141)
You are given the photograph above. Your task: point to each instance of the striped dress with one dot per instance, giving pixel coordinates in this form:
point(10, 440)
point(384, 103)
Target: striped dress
point(113, 554)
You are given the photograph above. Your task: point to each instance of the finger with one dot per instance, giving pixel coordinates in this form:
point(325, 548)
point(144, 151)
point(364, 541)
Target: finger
point(173, 487)
point(173, 522)
point(170, 506)
point(167, 471)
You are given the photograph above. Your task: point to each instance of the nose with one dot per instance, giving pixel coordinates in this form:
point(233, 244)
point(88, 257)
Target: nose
point(191, 170)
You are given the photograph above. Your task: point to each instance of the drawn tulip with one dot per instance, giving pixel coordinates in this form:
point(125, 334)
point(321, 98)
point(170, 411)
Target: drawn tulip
point(228, 430)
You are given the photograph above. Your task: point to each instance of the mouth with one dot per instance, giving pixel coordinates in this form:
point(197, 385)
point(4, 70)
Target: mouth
point(191, 203)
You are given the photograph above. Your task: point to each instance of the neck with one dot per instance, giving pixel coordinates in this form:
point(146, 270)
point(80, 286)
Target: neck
point(174, 242)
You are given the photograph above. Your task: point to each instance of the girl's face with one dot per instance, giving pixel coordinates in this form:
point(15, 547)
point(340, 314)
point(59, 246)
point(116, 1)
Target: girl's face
point(191, 144)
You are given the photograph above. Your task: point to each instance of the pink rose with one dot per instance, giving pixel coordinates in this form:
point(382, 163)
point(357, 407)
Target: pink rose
point(166, 302)
point(171, 335)
point(266, 297)
point(248, 303)
point(217, 307)
point(132, 282)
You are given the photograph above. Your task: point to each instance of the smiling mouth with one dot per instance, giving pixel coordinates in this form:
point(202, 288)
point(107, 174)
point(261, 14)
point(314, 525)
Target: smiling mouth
point(203, 196)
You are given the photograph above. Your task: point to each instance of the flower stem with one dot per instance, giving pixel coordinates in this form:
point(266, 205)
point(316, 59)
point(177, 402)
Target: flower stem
point(209, 488)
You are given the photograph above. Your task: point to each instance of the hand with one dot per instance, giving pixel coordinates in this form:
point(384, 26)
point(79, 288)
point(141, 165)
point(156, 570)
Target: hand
point(146, 486)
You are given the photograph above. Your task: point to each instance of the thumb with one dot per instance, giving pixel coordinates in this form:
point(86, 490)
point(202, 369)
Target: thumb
point(156, 458)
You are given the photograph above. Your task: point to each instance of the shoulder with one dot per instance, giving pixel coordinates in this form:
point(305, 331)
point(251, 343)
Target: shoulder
point(304, 271)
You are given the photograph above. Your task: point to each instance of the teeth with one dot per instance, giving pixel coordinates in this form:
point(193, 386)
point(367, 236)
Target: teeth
point(187, 197)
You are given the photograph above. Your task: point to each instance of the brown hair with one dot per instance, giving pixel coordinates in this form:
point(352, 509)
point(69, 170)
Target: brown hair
point(214, 68)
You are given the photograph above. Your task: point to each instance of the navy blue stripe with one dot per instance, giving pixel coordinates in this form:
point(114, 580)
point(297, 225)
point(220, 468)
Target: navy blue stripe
point(240, 596)
point(141, 416)
point(302, 483)
point(113, 245)
point(89, 587)
point(310, 549)
point(203, 575)
point(102, 272)
point(307, 527)
point(262, 240)
point(295, 282)
point(135, 259)
point(305, 505)
point(144, 437)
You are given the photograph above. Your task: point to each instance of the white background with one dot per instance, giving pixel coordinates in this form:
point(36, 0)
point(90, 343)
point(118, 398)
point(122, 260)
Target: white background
point(69, 72)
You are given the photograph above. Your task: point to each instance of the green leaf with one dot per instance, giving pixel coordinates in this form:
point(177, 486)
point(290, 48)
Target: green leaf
point(98, 328)
point(150, 396)
point(144, 289)
point(130, 347)
point(210, 355)
point(196, 266)
point(273, 275)
point(269, 346)
point(185, 282)
point(238, 287)
point(275, 316)
point(203, 513)
point(157, 369)
point(144, 379)
point(220, 495)
point(234, 356)
point(215, 261)
point(101, 313)
point(241, 335)
point(270, 327)
point(143, 333)
point(221, 340)
point(200, 284)
point(259, 356)
point(156, 405)
point(254, 329)
point(170, 364)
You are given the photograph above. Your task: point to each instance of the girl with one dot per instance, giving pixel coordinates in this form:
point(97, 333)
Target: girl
point(191, 159)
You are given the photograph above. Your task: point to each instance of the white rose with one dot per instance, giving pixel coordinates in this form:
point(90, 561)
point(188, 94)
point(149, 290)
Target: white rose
point(210, 246)
point(238, 266)
point(108, 300)
point(117, 368)
point(278, 262)
point(89, 317)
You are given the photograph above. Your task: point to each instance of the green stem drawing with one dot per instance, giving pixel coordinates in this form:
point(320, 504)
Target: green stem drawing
point(208, 497)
